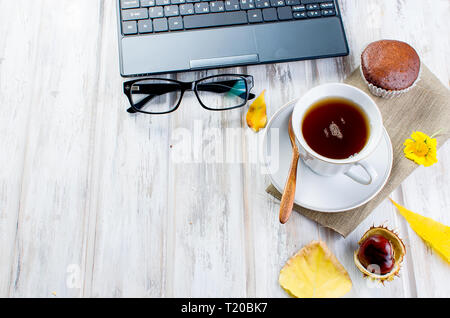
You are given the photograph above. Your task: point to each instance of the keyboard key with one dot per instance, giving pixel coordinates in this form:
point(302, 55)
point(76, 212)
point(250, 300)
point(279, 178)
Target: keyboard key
point(175, 23)
point(129, 4)
point(134, 14)
point(314, 14)
point(312, 6)
point(232, 5)
point(247, 4)
point(160, 25)
point(300, 15)
point(147, 3)
point(171, 11)
point(162, 2)
point(327, 5)
point(310, 1)
point(186, 9)
point(129, 27)
point(201, 7)
point(254, 16)
point(299, 8)
point(156, 12)
point(270, 14)
point(284, 13)
point(292, 2)
point(217, 6)
point(277, 3)
point(215, 19)
point(145, 26)
point(177, 1)
point(262, 4)
point(328, 13)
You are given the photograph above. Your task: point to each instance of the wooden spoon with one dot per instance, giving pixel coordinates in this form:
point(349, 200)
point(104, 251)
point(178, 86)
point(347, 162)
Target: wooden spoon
point(287, 200)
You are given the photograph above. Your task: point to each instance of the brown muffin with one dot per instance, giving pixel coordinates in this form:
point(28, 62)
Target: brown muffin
point(390, 65)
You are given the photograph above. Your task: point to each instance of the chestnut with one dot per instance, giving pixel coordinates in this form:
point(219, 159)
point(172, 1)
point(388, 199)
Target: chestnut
point(377, 250)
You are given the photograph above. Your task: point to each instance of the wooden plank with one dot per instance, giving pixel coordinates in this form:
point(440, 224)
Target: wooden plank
point(208, 228)
point(51, 81)
point(129, 184)
point(14, 116)
point(430, 273)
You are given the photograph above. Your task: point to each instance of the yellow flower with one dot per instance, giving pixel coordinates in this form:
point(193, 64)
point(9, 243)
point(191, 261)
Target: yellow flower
point(421, 149)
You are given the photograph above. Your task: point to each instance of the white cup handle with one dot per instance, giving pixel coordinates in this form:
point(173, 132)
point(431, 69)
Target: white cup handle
point(371, 173)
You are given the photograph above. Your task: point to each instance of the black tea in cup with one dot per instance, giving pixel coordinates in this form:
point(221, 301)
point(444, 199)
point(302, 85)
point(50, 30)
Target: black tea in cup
point(335, 128)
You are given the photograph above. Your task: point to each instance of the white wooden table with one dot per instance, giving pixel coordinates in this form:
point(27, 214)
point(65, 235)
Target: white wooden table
point(92, 202)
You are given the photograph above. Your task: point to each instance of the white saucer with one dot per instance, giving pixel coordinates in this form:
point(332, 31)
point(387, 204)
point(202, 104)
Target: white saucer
point(325, 194)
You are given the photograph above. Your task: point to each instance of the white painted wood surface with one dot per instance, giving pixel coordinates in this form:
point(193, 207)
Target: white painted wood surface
point(92, 203)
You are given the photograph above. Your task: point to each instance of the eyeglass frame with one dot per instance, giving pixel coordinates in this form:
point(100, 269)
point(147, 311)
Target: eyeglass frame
point(188, 86)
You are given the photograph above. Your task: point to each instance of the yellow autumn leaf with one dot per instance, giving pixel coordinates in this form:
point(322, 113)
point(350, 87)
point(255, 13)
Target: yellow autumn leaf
point(256, 115)
point(314, 272)
point(436, 234)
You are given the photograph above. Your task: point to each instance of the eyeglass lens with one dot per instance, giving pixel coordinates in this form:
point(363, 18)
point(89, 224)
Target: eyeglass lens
point(222, 92)
point(155, 95)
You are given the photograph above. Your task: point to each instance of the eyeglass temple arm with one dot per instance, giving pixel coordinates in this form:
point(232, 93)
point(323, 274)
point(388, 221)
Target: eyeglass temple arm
point(217, 87)
point(221, 87)
point(140, 104)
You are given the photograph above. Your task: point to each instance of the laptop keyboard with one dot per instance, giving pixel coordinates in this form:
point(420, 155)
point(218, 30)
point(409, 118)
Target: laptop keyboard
point(153, 16)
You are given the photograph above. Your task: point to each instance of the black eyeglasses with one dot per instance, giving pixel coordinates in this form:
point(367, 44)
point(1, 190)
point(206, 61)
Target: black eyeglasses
point(162, 96)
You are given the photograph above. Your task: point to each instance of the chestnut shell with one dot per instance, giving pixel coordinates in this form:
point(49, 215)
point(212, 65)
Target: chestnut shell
point(399, 252)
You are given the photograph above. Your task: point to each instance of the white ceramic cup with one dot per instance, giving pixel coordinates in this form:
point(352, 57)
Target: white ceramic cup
point(329, 167)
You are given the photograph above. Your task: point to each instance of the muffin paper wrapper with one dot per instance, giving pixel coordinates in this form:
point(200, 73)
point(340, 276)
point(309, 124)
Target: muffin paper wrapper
point(388, 94)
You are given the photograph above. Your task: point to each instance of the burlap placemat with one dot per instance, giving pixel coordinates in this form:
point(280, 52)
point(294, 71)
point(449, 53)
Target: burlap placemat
point(425, 108)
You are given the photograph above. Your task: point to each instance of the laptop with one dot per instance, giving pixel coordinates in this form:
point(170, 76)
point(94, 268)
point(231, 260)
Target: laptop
point(164, 36)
